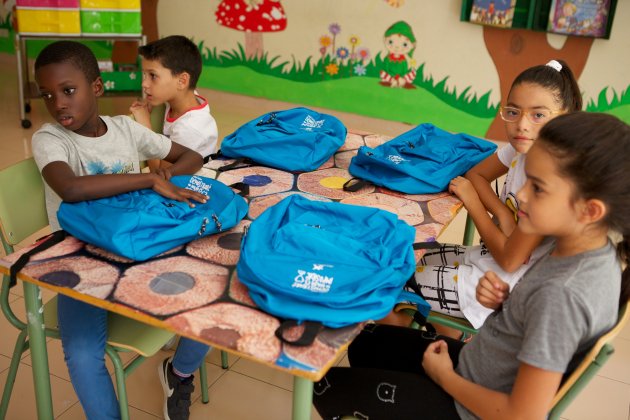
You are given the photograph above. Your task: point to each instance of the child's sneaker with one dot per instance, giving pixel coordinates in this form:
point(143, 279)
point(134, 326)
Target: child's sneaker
point(176, 392)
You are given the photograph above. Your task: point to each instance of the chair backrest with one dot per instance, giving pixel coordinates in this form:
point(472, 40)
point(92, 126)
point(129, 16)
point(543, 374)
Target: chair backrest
point(22, 202)
point(590, 365)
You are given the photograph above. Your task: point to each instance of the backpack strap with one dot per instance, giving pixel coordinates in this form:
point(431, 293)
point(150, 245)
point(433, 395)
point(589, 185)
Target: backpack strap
point(243, 188)
point(354, 184)
point(311, 329)
point(237, 162)
point(427, 245)
point(53, 239)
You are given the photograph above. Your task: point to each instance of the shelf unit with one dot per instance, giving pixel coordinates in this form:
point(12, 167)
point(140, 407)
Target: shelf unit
point(28, 89)
point(534, 15)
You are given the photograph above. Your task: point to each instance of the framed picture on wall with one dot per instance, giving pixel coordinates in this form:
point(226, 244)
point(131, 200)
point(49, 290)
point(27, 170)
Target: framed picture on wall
point(579, 17)
point(493, 12)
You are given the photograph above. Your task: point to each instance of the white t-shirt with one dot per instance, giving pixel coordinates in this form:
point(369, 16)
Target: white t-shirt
point(515, 178)
point(477, 259)
point(195, 129)
point(119, 151)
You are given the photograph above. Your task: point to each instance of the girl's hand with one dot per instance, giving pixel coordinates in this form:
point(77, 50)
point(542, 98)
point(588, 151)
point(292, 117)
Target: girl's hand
point(463, 189)
point(436, 362)
point(141, 112)
point(491, 291)
point(169, 190)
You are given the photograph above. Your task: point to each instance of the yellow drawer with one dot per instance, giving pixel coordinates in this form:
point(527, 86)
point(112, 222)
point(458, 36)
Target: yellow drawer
point(110, 4)
point(49, 21)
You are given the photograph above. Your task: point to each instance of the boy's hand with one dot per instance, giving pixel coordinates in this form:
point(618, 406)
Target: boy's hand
point(169, 190)
point(163, 173)
point(492, 291)
point(463, 189)
point(141, 112)
point(436, 362)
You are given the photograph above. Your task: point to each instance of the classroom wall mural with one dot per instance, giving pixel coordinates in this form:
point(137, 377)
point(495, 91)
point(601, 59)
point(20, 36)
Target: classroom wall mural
point(410, 61)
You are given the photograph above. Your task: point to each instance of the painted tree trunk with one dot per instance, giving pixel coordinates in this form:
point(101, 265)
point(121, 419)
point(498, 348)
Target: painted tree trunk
point(253, 44)
point(514, 50)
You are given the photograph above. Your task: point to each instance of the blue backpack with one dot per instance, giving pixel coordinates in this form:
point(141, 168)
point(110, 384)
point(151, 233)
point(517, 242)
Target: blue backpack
point(297, 139)
point(421, 161)
point(326, 263)
point(142, 224)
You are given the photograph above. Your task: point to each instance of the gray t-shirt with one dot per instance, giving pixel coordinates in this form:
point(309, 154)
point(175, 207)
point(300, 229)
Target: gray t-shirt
point(554, 312)
point(119, 151)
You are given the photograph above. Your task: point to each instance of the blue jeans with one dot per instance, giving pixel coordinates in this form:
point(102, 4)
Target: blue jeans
point(83, 329)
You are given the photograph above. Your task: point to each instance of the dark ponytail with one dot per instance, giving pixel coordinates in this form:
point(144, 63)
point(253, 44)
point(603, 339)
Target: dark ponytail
point(593, 151)
point(562, 83)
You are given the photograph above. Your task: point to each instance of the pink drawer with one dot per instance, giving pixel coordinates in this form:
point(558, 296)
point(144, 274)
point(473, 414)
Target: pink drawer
point(49, 4)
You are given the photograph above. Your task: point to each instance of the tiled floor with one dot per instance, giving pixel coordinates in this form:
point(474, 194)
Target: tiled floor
point(246, 390)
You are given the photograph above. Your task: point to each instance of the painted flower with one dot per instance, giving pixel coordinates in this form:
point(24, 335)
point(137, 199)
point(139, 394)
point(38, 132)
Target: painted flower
point(343, 53)
point(322, 50)
point(359, 70)
point(332, 69)
point(354, 40)
point(325, 41)
point(364, 53)
point(395, 3)
point(334, 28)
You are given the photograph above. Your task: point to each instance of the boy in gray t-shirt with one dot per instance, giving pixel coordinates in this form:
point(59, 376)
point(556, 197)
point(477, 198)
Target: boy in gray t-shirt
point(84, 156)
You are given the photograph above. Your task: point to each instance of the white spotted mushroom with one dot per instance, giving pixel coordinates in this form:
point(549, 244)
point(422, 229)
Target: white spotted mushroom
point(254, 17)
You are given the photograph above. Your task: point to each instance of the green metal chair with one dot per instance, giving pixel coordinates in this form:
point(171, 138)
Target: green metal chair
point(588, 368)
point(22, 214)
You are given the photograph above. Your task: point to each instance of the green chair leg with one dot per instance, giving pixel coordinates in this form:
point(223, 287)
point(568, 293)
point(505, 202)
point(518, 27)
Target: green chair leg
point(121, 386)
point(39, 353)
point(469, 231)
point(203, 379)
point(302, 398)
point(224, 360)
point(20, 346)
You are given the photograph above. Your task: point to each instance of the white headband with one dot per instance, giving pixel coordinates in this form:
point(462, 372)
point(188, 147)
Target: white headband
point(554, 65)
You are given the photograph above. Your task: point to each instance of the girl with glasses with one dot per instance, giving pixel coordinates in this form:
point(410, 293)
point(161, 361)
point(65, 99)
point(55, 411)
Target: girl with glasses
point(447, 277)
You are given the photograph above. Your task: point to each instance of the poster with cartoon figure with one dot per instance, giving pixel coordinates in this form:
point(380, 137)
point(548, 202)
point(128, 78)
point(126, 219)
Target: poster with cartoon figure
point(399, 68)
point(493, 12)
point(583, 17)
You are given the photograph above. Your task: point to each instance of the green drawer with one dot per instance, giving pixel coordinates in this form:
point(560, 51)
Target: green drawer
point(122, 81)
point(111, 22)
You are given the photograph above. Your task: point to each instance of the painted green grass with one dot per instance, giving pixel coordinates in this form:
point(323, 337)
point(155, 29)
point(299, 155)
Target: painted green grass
point(621, 112)
point(602, 104)
point(361, 95)
point(317, 71)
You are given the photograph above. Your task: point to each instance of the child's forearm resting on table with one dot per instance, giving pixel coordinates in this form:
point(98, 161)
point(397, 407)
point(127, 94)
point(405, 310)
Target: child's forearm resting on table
point(510, 252)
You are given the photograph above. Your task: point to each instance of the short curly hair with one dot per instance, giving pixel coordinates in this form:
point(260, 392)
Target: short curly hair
point(70, 51)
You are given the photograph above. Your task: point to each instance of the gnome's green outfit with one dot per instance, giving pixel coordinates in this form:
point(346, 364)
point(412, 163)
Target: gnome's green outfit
point(395, 66)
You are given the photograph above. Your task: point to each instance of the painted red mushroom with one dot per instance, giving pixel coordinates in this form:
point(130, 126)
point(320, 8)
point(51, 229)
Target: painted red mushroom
point(252, 17)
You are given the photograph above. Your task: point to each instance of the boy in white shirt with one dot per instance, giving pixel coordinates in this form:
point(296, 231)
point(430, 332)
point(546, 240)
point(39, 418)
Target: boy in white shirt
point(171, 67)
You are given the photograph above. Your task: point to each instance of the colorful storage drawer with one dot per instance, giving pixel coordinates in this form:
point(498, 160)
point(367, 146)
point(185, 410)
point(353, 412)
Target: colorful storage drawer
point(110, 22)
point(50, 4)
point(48, 21)
point(122, 81)
point(110, 4)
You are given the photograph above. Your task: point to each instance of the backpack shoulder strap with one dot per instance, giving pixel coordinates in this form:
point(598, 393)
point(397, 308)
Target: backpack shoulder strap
point(354, 184)
point(53, 239)
point(311, 329)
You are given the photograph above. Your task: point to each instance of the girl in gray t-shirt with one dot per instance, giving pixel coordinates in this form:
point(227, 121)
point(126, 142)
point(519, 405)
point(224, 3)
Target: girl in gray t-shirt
point(571, 296)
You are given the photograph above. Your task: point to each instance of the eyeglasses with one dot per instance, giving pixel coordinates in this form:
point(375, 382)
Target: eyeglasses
point(535, 116)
